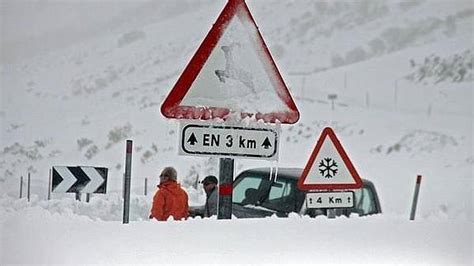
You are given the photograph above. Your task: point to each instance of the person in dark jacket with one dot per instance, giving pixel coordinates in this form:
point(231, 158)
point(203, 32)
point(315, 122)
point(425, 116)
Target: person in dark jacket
point(170, 199)
point(209, 184)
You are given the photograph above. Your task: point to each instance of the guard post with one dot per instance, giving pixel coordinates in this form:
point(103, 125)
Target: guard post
point(29, 189)
point(128, 174)
point(226, 179)
point(21, 187)
point(415, 198)
point(49, 185)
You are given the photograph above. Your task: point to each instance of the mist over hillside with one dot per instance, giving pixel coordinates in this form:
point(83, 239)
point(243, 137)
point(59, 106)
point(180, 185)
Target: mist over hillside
point(30, 28)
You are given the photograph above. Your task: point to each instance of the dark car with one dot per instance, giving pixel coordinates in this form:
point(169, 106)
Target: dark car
point(256, 194)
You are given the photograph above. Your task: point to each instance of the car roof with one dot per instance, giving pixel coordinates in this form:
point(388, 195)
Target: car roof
point(292, 173)
point(288, 172)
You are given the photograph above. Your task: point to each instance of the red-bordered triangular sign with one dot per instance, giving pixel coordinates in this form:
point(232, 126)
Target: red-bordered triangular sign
point(232, 71)
point(329, 167)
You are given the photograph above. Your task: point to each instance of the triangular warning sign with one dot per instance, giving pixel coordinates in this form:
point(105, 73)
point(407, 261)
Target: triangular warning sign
point(329, 167)
point(231, 72)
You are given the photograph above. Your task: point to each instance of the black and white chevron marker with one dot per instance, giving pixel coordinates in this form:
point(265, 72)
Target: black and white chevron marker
point(84, 179)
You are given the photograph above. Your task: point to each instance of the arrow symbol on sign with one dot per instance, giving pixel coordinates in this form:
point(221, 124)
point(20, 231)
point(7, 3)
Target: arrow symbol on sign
point(95, 177)
point(266, 143)
point(68, 179)
point(192, 139)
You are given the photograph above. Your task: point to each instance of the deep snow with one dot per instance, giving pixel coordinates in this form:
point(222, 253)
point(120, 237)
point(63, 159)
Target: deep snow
point(76, 104)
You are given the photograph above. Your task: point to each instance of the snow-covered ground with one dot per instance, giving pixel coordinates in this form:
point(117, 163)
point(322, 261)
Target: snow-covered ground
point(403, 75)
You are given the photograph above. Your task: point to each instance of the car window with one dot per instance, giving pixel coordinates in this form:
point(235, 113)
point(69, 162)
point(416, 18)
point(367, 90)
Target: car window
point(365, 203)
point(280, 189)
point(281, 196)
point(245, 185)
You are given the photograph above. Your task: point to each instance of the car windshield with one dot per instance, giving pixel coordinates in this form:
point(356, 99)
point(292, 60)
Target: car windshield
point(259, 190)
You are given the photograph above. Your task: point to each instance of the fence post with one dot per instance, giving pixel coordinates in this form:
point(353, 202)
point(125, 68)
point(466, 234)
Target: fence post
point(29, 184)
point(146, 186)
point(128, 174)
point(49, 185)
point(21, 187)
point(415, 197)
point(88, 197)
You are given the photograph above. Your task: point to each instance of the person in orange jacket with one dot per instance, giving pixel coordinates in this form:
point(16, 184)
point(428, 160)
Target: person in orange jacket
point(170, 199)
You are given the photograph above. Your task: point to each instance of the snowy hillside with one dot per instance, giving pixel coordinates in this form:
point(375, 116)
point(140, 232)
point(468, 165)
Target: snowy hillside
point(402, 73)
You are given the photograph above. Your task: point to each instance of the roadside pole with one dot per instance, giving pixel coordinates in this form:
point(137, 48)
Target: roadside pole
point(128, 174)
point(21, 187)
point(49, 185)
point(415, 198)
point(226, 179)
point(29, 184)
point(146, 186)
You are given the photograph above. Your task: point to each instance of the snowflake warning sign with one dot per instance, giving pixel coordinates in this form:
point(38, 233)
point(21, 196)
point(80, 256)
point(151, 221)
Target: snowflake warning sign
point(329, 167)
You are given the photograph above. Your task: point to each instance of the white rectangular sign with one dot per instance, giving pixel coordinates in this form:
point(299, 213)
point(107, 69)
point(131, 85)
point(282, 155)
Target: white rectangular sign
point(228, 141)
point(330, 200)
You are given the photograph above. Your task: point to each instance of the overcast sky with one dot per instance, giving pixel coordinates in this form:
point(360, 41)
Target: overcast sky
point(30, 26)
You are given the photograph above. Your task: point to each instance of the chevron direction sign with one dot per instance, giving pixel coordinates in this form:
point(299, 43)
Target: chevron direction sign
point(75, 179)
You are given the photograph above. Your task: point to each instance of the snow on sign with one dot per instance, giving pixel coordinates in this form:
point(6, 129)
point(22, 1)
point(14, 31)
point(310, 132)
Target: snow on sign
point(231, 72)
point(230, 141)
point(329, 167)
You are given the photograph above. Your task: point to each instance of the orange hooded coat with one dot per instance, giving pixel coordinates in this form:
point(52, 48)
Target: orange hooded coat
point(170, 200)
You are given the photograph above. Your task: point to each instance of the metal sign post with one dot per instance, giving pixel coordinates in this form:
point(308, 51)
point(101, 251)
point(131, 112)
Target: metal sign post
point(49, 185)
point(332, 98)
point(226, 179)
point(128, 174)
point(415, 198)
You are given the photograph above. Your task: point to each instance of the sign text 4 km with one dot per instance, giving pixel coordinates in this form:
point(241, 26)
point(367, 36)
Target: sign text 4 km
point(230, 141)
point(330, 199)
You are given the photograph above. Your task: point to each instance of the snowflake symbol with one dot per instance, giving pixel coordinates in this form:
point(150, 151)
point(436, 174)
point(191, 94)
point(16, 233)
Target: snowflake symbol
point(328, 167)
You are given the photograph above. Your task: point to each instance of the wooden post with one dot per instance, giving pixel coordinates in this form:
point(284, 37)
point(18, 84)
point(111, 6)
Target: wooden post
point(415, 198)
point(128, 174)
point(146, 186)
point(21, 187)
point(49, 185)
point(88, 197)
point(29, 184)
